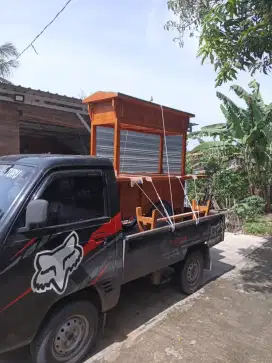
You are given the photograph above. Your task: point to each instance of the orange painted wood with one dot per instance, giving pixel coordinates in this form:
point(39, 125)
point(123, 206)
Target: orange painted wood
point(148, 222)
point(116, 152)
point(201, 208)
point(123, 112)
point(102, 96)
point(147, 130)
point(136, 113)
point(176, 217)
point(133, 197)
point(156, 176)
point(151, 222)
point(93, 140)
point(183, 154)
point(160, 169)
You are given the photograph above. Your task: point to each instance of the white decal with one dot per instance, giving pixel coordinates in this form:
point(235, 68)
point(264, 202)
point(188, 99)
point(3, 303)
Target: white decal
point(53, 268)
point(9, 172)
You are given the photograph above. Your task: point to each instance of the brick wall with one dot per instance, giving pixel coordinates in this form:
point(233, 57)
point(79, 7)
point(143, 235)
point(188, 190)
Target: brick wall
point(9, 129)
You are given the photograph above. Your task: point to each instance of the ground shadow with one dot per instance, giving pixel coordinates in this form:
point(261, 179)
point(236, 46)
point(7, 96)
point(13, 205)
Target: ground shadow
point(139, 302)
point(257, 274)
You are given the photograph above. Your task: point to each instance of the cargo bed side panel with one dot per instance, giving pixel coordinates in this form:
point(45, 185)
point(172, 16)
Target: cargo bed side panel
point(147, 252)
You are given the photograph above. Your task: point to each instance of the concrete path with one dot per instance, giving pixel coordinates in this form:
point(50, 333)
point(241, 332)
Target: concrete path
point(228, 320)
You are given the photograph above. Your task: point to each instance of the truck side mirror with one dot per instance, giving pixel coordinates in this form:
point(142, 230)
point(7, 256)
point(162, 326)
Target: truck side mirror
point(36, 213)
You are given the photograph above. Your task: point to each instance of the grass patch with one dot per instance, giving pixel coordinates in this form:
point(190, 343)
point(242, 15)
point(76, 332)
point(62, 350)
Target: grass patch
point(260, 227)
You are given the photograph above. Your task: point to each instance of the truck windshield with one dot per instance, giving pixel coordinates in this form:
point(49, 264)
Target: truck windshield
point(13, 179)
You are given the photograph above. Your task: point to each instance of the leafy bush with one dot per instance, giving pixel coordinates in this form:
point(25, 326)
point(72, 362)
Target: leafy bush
point(250, 208)
point(258, 228)
point(229, 187)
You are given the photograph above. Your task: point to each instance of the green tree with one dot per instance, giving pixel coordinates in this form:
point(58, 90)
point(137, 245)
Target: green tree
point(227, 185)
point(8, 62)
point(247, 135)
point(234, 34)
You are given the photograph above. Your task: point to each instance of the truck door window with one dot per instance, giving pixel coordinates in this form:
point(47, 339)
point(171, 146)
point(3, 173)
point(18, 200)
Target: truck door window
point(74, 199)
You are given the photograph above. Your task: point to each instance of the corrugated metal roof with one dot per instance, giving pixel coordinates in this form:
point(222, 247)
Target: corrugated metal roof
point(28, 90)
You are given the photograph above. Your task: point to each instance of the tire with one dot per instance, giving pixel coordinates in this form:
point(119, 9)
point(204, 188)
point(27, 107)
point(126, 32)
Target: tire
point(191, 272)
point(68, 335)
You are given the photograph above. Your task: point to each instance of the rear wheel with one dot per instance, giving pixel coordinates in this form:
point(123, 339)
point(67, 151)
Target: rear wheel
point(191, 272)
point(68, 334)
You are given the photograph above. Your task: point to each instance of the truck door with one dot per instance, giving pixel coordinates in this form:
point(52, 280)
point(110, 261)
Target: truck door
point(39, 267)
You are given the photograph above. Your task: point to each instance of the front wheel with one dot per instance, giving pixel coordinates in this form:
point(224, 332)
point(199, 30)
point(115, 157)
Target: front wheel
point(191, 272)
point(68, 334)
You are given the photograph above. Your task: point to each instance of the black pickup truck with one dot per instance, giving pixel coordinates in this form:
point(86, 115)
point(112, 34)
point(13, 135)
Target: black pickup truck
point(64, 253)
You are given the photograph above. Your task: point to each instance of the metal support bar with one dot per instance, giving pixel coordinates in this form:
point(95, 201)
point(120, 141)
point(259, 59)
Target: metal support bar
point(84, 123)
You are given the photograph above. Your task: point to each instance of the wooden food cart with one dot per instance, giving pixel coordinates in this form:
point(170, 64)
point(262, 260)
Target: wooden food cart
point(141, 192)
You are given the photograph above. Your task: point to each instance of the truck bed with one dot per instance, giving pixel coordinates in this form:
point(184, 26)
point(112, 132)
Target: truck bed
point(149, 251)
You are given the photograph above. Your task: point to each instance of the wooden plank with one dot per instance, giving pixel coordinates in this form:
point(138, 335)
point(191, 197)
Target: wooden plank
point(105, 122)
point(154, 219)
point(160, 169)
point(93, 140)
point(201, 208)
point(176, 217)
point(183, 155)
point(116, 152)
point(149, 130)
point(156, 177)
point(148, 222)
point(102, 96)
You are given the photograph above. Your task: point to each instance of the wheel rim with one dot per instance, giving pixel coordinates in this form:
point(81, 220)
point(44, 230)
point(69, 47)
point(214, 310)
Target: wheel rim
point(193, 271)
point(70, 338)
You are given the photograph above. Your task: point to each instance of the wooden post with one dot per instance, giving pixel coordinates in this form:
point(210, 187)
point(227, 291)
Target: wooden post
point(183, 156)
point(116, 153)
point(93, 140)
point(93, 132)
point(160, 169)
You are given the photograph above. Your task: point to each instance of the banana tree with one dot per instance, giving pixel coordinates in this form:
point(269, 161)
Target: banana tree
point(248, 132)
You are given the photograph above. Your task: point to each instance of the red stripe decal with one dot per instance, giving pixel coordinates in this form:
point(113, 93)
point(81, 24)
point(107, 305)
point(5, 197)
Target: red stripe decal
point(17, 299)
point(97, 237)
point(94, 281)
point(29, 243)
point(106, 230)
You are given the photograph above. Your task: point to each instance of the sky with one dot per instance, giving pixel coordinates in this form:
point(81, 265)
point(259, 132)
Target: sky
point(113, 45)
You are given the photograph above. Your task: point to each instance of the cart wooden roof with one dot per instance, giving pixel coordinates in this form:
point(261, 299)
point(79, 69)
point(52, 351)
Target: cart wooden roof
point(134, 114)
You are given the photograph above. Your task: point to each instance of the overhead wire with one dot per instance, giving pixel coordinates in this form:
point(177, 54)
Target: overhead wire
point(44, 29)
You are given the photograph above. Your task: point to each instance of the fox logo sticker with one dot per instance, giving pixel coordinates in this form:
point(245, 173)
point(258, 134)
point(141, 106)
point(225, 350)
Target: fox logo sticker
point(53, 268)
